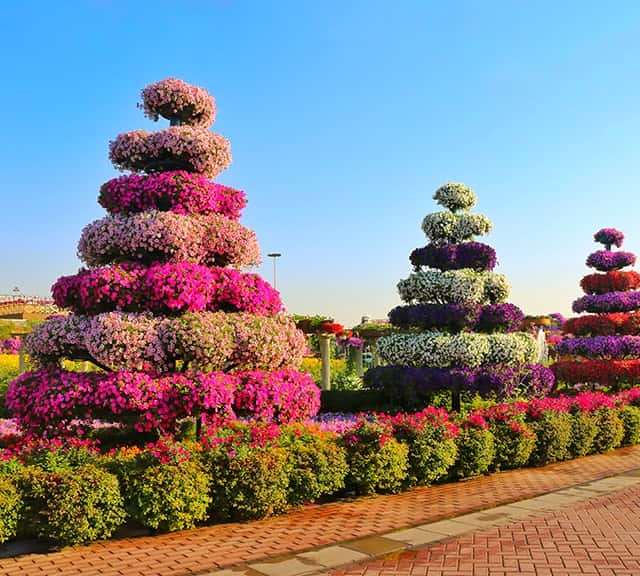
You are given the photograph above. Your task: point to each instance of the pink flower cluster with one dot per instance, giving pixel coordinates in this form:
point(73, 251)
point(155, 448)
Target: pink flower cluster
point(282, 396)
point(165, 288)
point(172, 98)
point(10, 346)
point(147, 237)
point(177, 147)
point(178, 191)
point(54, 401)
point(210, 340)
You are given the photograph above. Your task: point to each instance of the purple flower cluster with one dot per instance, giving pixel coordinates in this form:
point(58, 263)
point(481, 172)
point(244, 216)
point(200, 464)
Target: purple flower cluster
point(406, 385)
point(458, 317)
point(610, 302)
point(601, 347)
point(474, 255)
point(10, 346)
point(605, 260)
point(609, 237)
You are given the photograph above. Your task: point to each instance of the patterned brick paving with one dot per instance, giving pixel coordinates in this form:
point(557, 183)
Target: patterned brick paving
point(196, 551)
point(599, 537)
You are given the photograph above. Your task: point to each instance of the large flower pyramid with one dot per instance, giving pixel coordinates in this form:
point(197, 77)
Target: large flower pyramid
point(605, 347)
point(459, 334)
point(163, 306)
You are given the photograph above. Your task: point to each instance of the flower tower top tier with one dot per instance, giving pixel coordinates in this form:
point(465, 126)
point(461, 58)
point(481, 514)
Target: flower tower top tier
point(164, 306)
point(605, 348)
point(458, 331)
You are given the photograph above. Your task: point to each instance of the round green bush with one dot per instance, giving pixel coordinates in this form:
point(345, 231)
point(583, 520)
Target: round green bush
point(377, 467)
point(317, 466)
point(431, 455)
point(168, 496)
point(71, 507)
point(514, 443)
point(583, 431)
point(247, 483)
point(10, 508)
point(630, 416)
point(553, 433)
point(476, 452)
point(610, 430)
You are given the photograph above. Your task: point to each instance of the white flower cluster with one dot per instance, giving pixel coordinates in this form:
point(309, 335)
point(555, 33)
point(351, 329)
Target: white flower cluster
point(463, 286)
point(455, 196)
point(447, 227)
point(468, 349)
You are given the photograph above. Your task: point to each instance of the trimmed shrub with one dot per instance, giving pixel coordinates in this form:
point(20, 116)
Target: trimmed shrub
point(514, 443)
point(377, 461)
point(583, 431)
point(553, 432)
point(10, 508)
point(71, 507)
point(610, 430)
point(317, 464)
point(630, 416)
point(476, 449)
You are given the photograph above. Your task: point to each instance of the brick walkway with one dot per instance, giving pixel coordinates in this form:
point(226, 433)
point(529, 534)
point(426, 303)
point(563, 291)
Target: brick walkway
point(599, 537)
point(206, 549)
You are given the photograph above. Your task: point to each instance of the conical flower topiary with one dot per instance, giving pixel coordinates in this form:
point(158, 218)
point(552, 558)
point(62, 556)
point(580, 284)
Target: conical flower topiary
point(604, 346)
point(458, 332)
point(163, 307)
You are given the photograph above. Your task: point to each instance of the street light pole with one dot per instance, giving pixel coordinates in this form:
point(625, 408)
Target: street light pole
point(274, 255)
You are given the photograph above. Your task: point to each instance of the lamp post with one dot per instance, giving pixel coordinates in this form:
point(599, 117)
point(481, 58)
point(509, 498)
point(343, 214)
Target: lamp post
point(274, 255)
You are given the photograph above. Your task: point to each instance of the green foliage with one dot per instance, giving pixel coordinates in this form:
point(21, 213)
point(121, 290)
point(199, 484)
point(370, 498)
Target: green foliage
point(630, 416)
point(514, 443)
point(52, 458)
point(476, 452)
point(317, 464)
point(353, 401)
point(610, 430)
point(431, 453)
point(346, 381)
point(310, 324)
point(70, 507)
point(10, 508)
point(553, 431)
point(248, 484)
point(377, 466)
point(583, 431)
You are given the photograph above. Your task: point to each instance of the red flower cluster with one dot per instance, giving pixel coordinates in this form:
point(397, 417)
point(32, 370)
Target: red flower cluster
point(604, 324)
point(609, 372)
point(331, 328)
point(613, 281)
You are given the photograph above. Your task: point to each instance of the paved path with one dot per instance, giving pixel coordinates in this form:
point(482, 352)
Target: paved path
point(318, 537)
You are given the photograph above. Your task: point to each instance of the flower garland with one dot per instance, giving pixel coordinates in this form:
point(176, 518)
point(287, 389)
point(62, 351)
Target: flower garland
point(419, 382)
point(447, 227)
point(458, 317)
point(186, 147)
point(610, 302)
point(165, 288)
point(175, 99)
point(474, 255)
point(613, 281)
point(461, 286)
point(177, 190)
point(605, 260)
point(467, 349)
point(455, 196)
point(148, 237)
point(601, 346)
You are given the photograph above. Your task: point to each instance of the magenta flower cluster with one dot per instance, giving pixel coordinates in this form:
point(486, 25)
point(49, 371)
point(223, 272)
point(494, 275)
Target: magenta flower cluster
point(174, 99)
point(177, 191)
point(176, 148)
point(146, 237)
point(609, 237)
point(606, 260)
point(54, 401)
point(10, 346)
point(165, 288)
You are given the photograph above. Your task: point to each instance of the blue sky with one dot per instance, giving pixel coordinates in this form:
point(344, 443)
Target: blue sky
point(344, 117)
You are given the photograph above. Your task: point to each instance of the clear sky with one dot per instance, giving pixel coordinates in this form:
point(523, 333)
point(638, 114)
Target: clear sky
point(344, 117)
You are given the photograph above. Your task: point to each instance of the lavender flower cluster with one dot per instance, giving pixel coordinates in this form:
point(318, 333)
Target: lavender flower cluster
point(457, 317)
point(609, 237)
point(610, 302)
point(475, 255)
point(605, 260)
point(601, 347)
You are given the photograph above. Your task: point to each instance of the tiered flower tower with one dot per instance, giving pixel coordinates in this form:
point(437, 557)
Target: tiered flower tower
point(460, 334)
point(605, 347)
point(163, 308)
